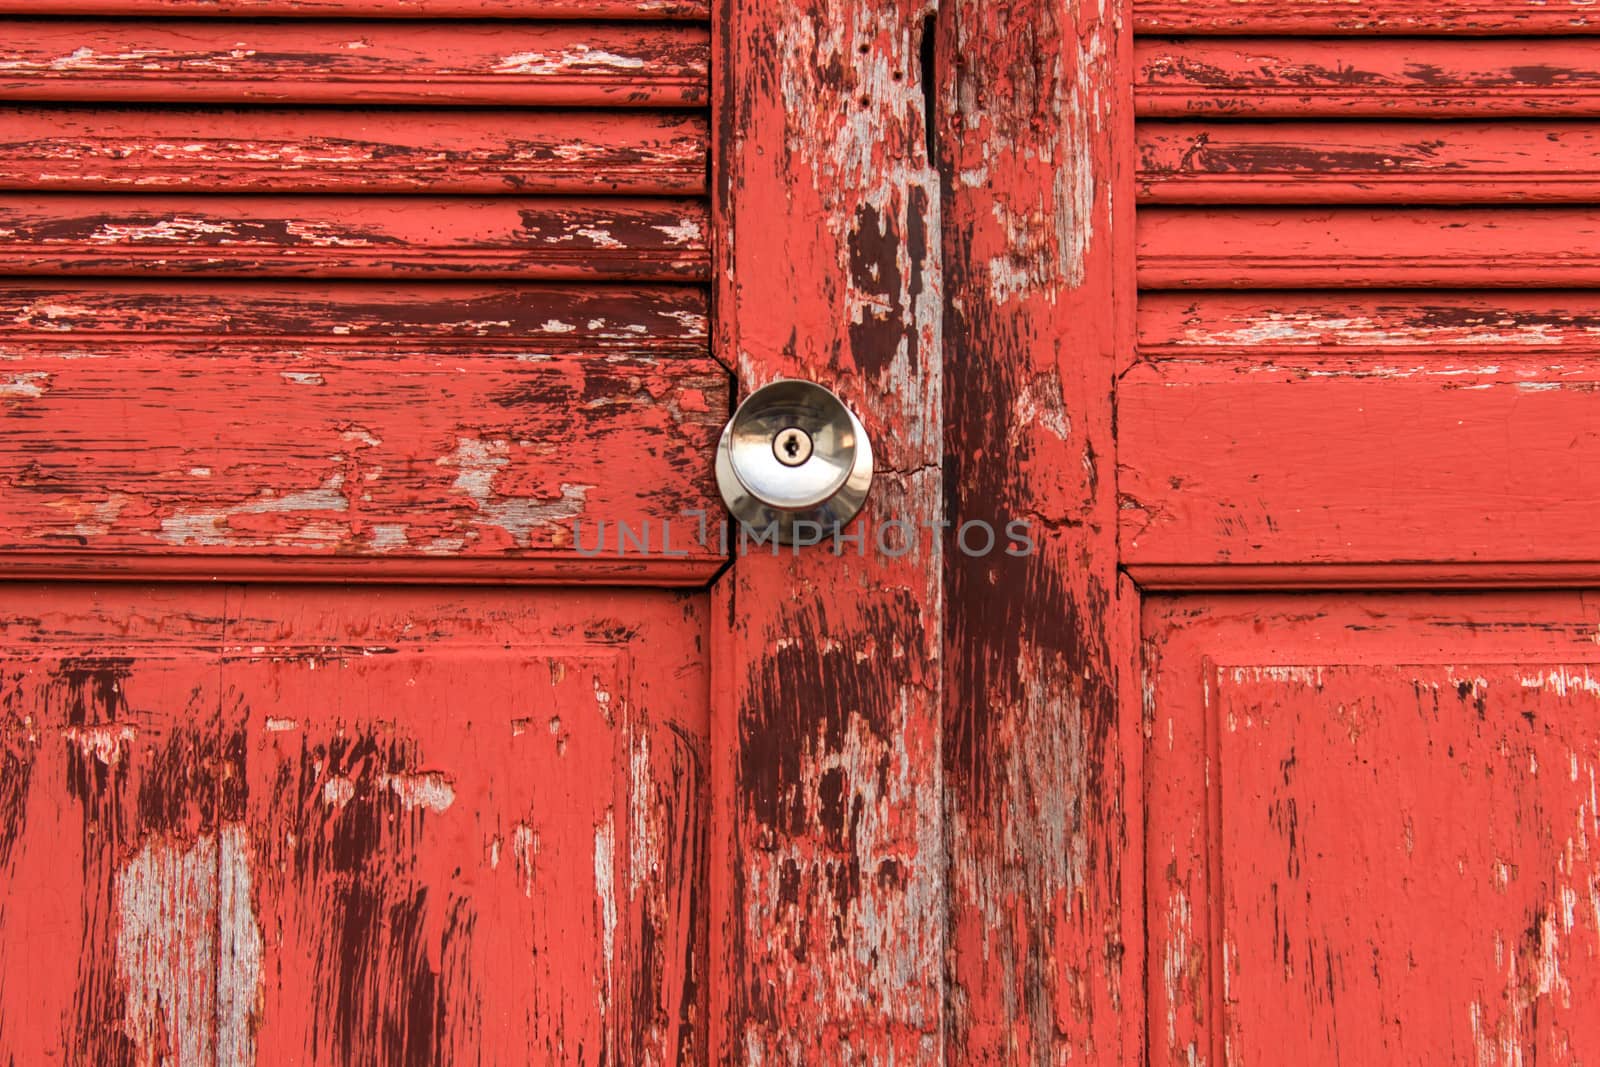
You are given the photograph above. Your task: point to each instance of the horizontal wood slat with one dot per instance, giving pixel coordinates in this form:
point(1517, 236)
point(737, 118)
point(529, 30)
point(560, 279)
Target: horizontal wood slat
point(609, 239)
point(1401, 79)
point(1327, 462)
point(531, 152)
point(1222, 326)
point(562, 64)
point(1266, 248)
point(665, 320)
point(277, 454)
point(1445, 17)
point(1367, 162)
point(698, 10)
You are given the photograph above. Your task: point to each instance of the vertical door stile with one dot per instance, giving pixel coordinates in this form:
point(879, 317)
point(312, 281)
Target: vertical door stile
point(1046, 928)
point(828, 936)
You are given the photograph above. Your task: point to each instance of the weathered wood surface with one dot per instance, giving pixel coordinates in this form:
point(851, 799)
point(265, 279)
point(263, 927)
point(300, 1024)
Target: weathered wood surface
point(1046, 934)
point(1311, 460)
point(1367, 162)
point(586, 10)
point(828, 878)
point(365, 152)
point(264, 826)
point(1290, 78)
point(322, 62)
point(1422, 248)
point(610, 239)
point(1489, 18)
point(1372, 829)
point(286, 432)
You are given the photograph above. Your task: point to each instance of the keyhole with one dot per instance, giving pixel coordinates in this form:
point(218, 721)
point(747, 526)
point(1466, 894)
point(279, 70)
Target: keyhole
point(792, 446)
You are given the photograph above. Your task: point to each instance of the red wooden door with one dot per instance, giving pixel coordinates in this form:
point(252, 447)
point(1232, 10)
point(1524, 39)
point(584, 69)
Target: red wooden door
point(355, 706)
point(323, 342)
point(1353, 439)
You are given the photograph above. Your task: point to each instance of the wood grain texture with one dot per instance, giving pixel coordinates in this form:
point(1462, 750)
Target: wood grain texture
point(225, 448)
point(1367, 162)
point(516, 63)
point(1364, 17)
point(1285, 248)
point(828, 879)
point(613, 239)
point(1046, 936)
point(1372, 832)
point(387, 9)
point(1290, 78)
point(1320, 460)
point(272, 826)
point(365, 152)
point(1241, 327)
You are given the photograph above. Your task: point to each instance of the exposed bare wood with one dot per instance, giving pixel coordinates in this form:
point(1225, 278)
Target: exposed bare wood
point(360, 63)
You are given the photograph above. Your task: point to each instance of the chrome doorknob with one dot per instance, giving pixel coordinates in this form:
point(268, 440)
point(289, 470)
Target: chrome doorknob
point(794, 461)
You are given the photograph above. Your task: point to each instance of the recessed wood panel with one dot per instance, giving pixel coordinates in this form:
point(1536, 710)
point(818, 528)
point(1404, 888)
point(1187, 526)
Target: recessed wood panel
point(367, 152)
point(402, 458)
point(611, 239)
point(252, 825)
point(1372, 832)
point(322, 62)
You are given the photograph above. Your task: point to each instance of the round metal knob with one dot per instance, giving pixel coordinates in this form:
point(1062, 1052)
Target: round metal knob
point(795, 461)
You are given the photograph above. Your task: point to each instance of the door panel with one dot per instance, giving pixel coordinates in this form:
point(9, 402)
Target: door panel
point(359, 827)
point(357, 304)
point(1373, 834)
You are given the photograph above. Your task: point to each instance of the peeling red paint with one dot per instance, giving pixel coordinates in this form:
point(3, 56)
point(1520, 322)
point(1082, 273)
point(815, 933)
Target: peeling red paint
point(1044, 937)
point(363, 63)
point(828, 879)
